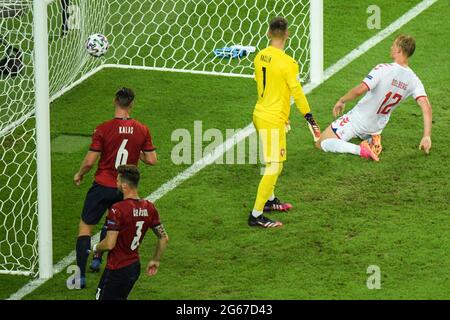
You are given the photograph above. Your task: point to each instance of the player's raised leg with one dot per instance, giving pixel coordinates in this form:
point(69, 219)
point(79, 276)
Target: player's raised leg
point(330, 142)
point(335, 138)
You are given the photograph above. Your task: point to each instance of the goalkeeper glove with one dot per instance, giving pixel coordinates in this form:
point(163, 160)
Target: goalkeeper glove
point(313, 126)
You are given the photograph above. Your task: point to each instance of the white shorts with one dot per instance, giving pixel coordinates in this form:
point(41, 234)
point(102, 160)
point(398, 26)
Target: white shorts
point(345, 130)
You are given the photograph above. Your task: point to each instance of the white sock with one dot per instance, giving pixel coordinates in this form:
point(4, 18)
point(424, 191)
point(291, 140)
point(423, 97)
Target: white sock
point(340, 146)
point(272, 197)
point(256, 213)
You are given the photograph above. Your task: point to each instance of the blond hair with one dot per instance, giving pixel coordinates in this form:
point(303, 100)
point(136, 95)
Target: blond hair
point(407, 44)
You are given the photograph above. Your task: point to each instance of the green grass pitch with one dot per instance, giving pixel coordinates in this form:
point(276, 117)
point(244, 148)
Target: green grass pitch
point(348, 213)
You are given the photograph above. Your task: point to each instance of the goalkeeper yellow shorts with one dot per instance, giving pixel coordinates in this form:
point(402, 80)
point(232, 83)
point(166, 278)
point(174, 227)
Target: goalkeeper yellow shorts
point(272, 139)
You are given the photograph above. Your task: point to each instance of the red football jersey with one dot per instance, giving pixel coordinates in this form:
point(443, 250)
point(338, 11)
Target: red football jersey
point(132, 218)
point(120, 141)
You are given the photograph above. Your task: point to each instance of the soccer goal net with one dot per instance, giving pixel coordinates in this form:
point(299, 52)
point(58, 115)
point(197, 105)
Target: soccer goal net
point(42, 56)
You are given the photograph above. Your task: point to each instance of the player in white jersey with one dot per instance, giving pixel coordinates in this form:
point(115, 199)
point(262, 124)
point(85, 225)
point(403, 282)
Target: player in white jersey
point(384, 87)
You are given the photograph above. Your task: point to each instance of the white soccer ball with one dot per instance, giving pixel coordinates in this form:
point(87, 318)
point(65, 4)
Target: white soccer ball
point(97, 45)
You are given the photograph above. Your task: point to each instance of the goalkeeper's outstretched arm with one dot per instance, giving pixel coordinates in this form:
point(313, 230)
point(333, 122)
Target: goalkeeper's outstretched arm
point(303, 106)
point(300, 100)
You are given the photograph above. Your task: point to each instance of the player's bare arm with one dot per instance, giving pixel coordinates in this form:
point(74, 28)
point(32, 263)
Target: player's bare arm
point(425, 143)
point(89, 161)
point(108, 243)
point(149, 157)
point(161, 245)
point(339, 108)
point(354, 93)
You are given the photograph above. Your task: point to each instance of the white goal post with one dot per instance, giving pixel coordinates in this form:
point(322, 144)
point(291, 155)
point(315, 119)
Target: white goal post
point(316, 31)
point(43, 162)
point(42, 57)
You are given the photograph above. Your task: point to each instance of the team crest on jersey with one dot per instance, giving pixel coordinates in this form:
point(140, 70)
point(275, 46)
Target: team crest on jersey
point(282, 152)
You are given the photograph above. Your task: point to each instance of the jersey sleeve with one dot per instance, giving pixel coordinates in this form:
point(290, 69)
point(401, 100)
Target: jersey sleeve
point(148, 143)
point(97, 141)
point(156, 221)
point(113, 219)
point(291, 78)
point(373, 78)
point(255, 64)
point(419, 90)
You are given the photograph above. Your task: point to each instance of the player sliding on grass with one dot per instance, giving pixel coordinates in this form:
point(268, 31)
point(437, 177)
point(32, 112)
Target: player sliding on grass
point(385, 87)
point(276, 75)
point(127, 222)
point(121, 140)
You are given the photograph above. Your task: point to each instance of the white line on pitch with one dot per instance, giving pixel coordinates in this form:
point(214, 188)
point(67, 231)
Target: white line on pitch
point(240, 135)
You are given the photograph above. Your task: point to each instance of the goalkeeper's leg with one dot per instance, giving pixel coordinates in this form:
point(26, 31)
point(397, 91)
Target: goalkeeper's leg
point(265, 190)
point(267, 185)
point(273, 140)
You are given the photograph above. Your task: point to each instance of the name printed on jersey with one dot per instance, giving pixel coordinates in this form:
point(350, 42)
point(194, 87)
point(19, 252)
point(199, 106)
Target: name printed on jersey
point(126, 130)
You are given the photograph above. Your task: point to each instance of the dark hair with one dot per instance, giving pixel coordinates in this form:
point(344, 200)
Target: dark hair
point(124, 97)
point(278, 27)
point(407, 44)
point(129, 174)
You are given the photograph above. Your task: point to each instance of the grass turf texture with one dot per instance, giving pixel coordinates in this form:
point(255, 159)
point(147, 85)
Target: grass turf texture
point(349, 213)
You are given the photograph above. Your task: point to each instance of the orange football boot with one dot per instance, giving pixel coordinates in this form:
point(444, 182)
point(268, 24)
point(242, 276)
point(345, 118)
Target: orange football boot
point(366, 151)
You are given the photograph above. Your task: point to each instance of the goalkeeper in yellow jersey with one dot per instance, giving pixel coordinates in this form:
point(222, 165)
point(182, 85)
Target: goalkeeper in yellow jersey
point(276, 75)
